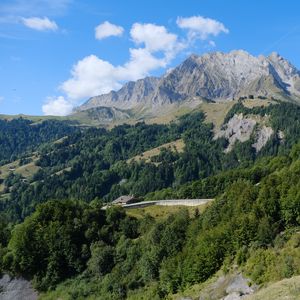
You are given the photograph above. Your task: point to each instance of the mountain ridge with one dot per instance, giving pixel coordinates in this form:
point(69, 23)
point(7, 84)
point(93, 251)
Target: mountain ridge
point(215, 76)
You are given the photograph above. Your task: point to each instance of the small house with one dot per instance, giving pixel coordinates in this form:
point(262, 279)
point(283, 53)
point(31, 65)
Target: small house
point(122, 200)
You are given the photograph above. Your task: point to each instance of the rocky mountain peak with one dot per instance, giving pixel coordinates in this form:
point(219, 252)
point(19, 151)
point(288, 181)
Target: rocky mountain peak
point(216, 75)
point(283, 65)
point(288, 73)
point(130, 95)
point(274, 55)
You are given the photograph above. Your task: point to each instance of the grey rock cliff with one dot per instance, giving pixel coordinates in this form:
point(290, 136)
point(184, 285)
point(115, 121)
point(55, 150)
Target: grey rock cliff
point(240, 128)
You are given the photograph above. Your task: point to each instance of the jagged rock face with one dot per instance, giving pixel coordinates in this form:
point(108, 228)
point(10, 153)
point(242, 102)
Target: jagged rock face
point(216, 76)
point(289, 75)
point(131, 94)
point(220, 76)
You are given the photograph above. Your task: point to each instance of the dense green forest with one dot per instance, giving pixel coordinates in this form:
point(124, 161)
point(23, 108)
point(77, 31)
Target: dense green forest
point(93, 163)
point(110, 254)
point(20, 136)
point(96, 163)
point(72, 249)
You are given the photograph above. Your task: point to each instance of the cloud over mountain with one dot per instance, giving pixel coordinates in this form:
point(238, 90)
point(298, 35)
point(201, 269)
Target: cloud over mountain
point(57, 106)
point(154, 47)
point(201, 27)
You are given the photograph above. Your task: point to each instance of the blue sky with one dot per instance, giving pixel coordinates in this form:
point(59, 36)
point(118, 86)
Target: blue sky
point(55, 54)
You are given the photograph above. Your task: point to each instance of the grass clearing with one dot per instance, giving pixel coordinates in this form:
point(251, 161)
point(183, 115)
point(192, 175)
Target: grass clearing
point(162, 212)
point(216, 112)
point(250, 103)
point(68, 169)
point(288, 289)
point(216, 288)
point(169, 115)
point(177, 145)
point(35, 119)
point(26, 171)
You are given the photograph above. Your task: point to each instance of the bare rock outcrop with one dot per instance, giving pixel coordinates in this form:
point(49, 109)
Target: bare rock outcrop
point(232, 286)
point(16, 289)
point(241, 128)
point(238, 128)
point(263, 135)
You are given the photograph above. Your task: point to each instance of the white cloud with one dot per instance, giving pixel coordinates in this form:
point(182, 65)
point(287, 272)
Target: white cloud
point(93, 76)
point(57, 106)
point(108, 29)
point(1, 99)
point(41, 24)
point(140, 64)
point(90, 76)
point(155, 38)
point(200, 27)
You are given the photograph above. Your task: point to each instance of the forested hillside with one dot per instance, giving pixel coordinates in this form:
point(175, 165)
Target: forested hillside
point(20, 136)
point(94, 163)
point(118, 257)
point(72, 249)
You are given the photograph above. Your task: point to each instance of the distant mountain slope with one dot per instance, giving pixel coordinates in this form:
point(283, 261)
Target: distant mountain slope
point(215, 76)
point(101, 115)
point(130, 95)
